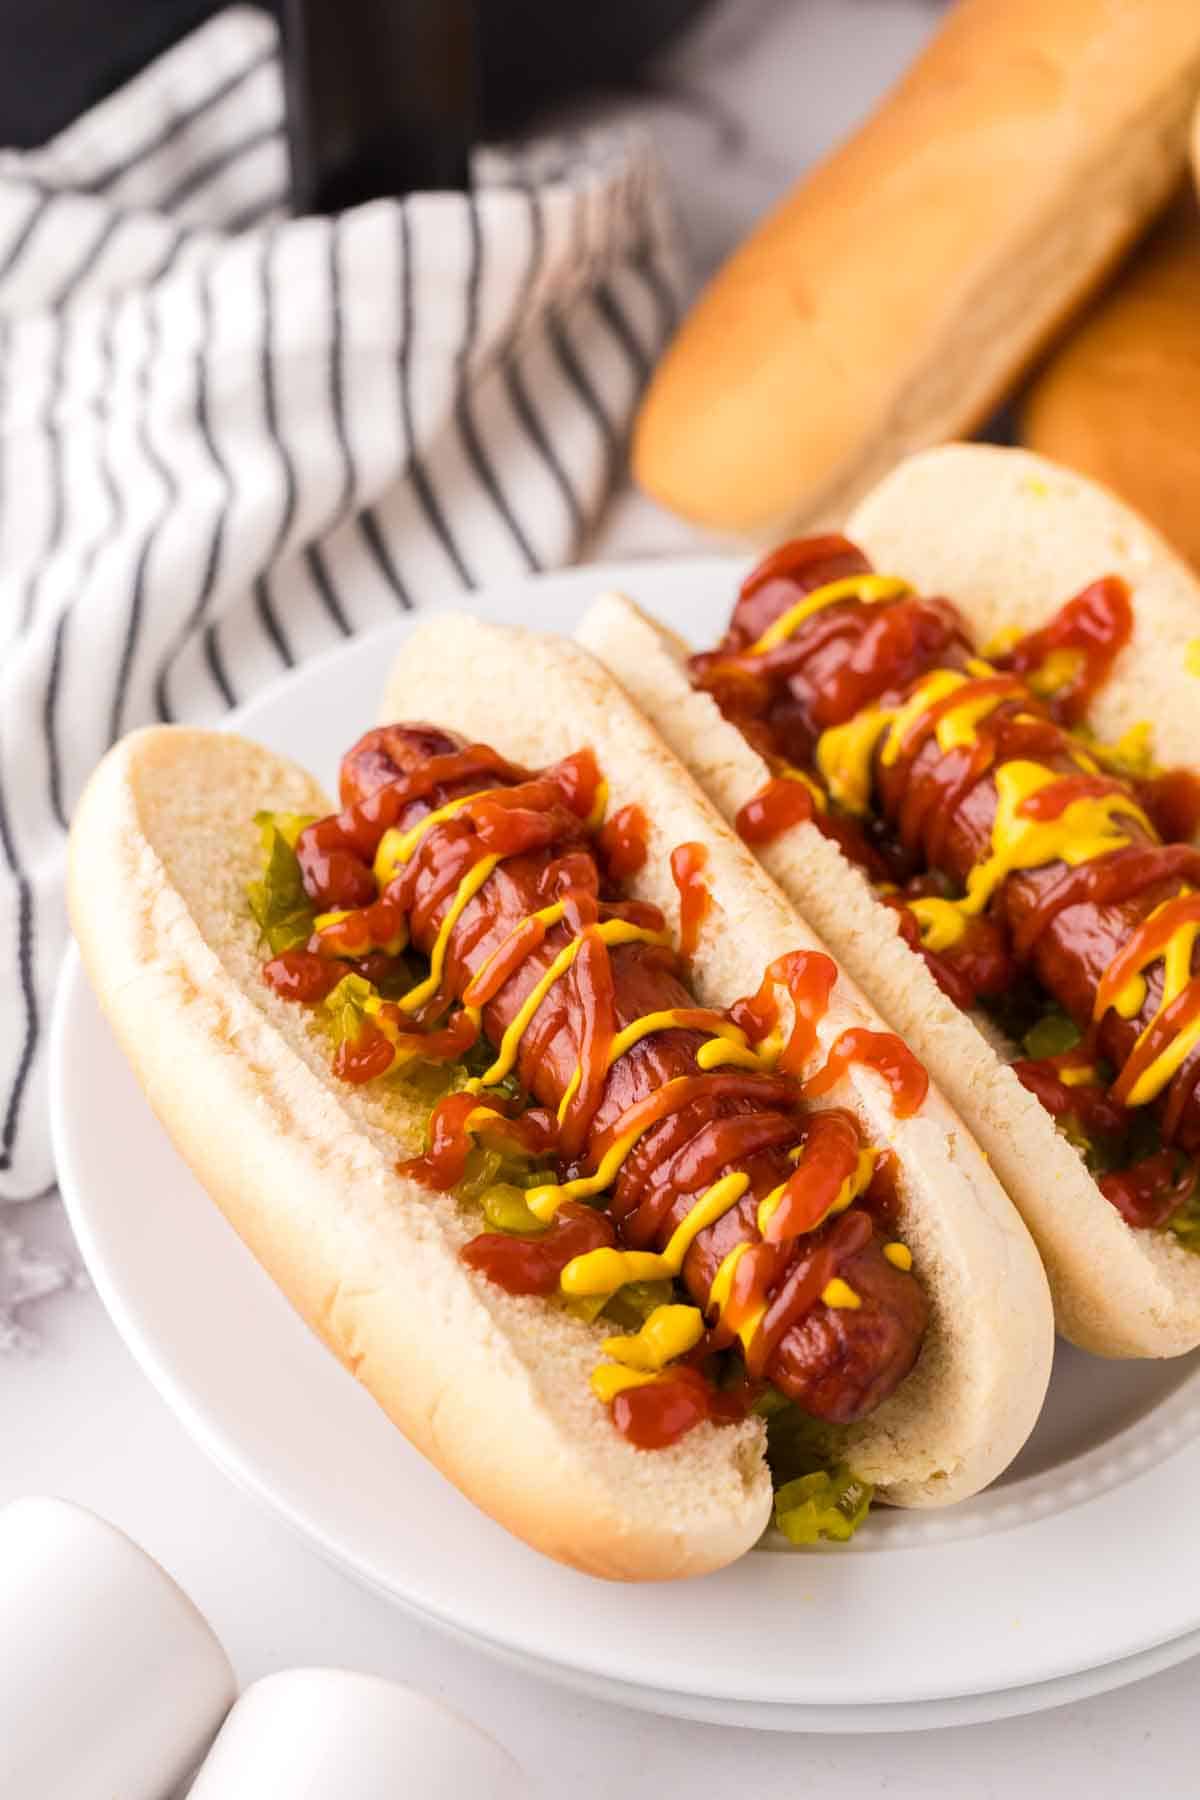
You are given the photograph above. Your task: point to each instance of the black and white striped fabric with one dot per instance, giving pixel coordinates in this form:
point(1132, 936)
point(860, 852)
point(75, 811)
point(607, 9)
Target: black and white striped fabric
point(229, 440)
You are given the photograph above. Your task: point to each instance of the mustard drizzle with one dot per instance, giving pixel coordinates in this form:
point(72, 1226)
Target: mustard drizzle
point(671, 1331)
point(1086, 828)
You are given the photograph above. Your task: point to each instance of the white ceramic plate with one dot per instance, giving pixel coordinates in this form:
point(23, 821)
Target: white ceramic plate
point(1081, 1569)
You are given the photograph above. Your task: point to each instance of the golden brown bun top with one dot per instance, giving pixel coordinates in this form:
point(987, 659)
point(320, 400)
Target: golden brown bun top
point(1121, 400)
point(890, 300)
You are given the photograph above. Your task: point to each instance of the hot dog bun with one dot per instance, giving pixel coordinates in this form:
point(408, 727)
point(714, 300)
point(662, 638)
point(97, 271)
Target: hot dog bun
point(896, 294)
point(494, 1390)
point(1025, 534)
point(1120, 399)
point(970, 1403)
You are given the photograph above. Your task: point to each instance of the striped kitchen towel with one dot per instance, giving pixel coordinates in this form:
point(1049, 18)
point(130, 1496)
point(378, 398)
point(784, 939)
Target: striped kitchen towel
point(229, 440)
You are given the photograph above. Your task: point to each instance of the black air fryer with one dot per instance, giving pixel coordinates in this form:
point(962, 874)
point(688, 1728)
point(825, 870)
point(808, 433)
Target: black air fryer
point(384, 96)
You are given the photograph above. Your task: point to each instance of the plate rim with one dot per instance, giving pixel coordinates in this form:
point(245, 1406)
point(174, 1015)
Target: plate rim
point(232, 1459)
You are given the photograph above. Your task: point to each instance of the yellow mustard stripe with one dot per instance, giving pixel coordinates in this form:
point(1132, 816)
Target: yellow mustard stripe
point(938, 685)
point(722, 1281)
point(718, 1295)
point(1077, 1075)
point(1084, 830)
point(324, 921)
point(1177, 973)
point(467, 888)
point(604, 1271)
point(549, 915)
point(955, 730)
point(1153, 1080)
point(1129, 1000)
point(844, 754)
point(669, 1332)
point(840, 1295)
point(724, 1033)
point(750, 1325)
point(1058, 671)
point(595, 818)
point(724, 1051)
point(608, 1381)
point(612, 931)
point(899, 1255)
point(867, 588)
point(396, 847)
point(712, 1205)
point(820, 798)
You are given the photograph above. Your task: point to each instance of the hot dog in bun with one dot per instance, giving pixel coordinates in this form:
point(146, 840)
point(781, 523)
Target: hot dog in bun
point(958, 737)
point(528, 1088)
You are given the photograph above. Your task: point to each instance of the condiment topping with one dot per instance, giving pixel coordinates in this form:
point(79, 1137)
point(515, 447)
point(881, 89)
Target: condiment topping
point(685, 1124)
point(1014, 844)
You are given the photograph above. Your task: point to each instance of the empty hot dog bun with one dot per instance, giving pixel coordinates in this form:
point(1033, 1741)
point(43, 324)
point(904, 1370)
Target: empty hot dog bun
point(1007, 536)
point(897, 293)
point(495, 1389)
point(1120, 399)
point(972, 1399)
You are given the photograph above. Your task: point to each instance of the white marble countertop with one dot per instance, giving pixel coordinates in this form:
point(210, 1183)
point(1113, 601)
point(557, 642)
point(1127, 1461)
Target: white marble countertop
point(759, 90)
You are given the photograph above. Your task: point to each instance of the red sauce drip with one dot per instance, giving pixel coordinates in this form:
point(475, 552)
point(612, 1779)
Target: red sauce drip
point(684, 1090)
point(622, 842)
point(578, 776)
point(534, 1265)
point(720, 1145)
point(831, 1145)
point(375, 785)
point(997, 687)
point(898, 643)
point(1098, 623)
point(1172, 802)
point(594, 991)
point(368, 928)
point(335, 854)
point(333, 875)
point(657, 1415)
point(688, 863)
point(887, 1054)
point(773, 810)
point(1148, 940)
point(784, 802)
point(510, 821)
point(443, 1164)
point(528, 937)
point(1165, 1026)
point(881, 1199)
point(365, 1057)
point(980, 963)
point(1149, 1192)
point(362, 1059)
point(794, 562)
point(809, 977)
point(1052, 801)
point(1089, 1104)
point(801, 1288)
point(299, 975)
point(1109, 880)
